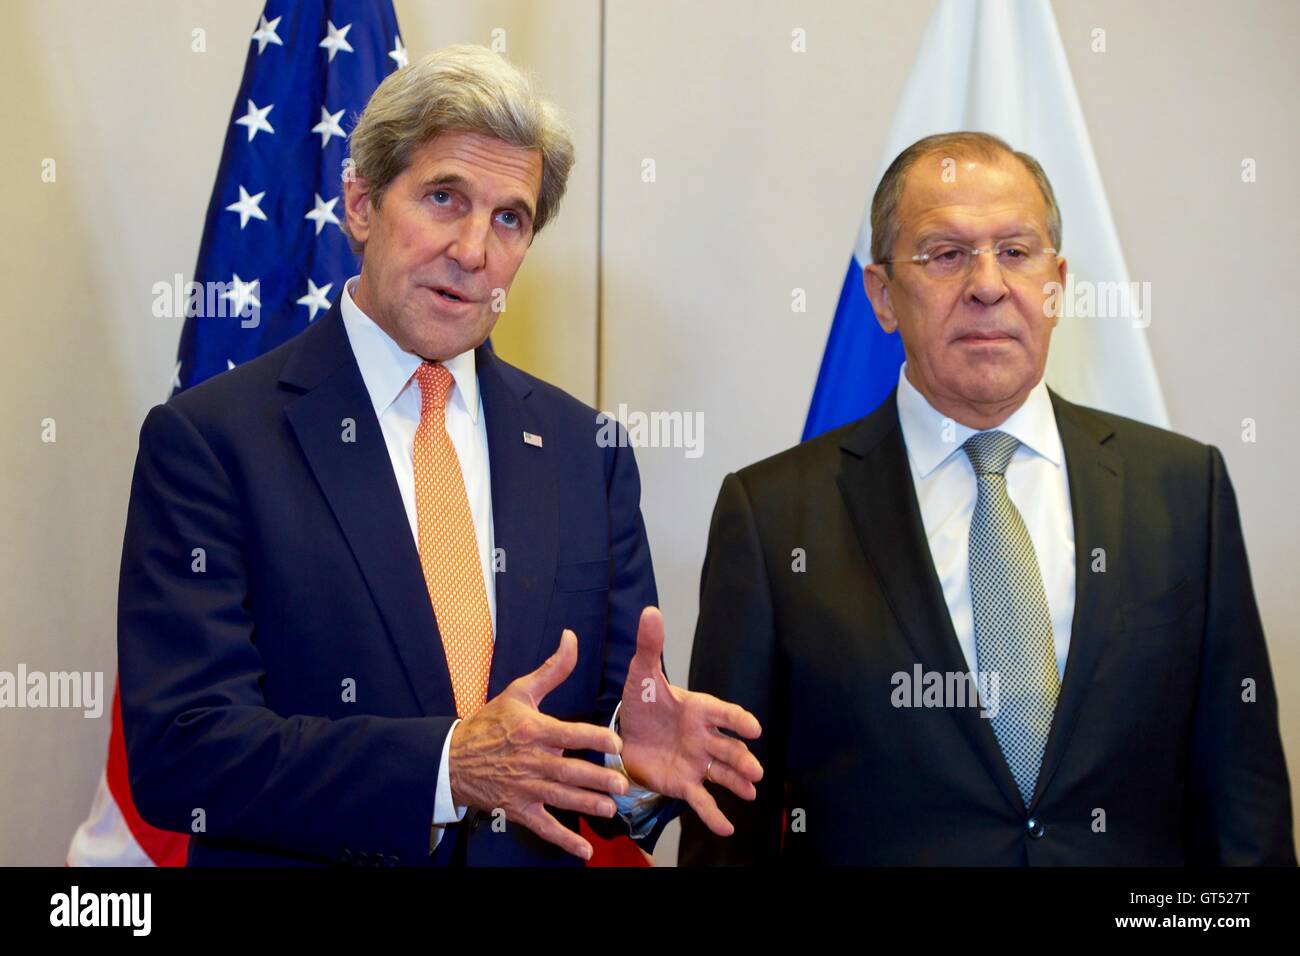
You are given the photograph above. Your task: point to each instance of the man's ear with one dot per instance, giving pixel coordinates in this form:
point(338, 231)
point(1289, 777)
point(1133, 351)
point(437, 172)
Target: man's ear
point(876, 283)
point(1062, 268)
point(357, 207)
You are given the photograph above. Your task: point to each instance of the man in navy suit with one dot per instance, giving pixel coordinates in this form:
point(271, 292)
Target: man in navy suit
point(298, 683)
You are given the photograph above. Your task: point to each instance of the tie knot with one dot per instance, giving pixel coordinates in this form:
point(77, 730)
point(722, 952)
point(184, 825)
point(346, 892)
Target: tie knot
point(990, 452)
point(435, 384)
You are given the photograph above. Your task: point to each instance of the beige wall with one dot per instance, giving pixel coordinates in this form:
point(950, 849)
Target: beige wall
point(764, 160)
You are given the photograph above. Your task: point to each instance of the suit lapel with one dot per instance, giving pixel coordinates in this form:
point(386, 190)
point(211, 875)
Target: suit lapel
point(525, 517)
point(1096, 473)
point(876, 482)
point(357, 480)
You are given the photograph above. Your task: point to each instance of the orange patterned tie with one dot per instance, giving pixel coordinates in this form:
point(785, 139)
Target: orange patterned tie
point(449, 551)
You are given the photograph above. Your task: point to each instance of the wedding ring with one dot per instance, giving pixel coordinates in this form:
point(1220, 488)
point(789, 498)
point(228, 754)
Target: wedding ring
point(706, 772)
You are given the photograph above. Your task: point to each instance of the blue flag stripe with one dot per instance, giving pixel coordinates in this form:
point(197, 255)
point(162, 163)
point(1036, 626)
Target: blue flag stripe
point(860, 366)
point(290, 165)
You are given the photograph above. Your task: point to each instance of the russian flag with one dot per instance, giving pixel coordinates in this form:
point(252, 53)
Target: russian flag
point(998, 66)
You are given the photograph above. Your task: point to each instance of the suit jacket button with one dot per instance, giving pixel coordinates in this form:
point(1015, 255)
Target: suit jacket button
point(1035, 828)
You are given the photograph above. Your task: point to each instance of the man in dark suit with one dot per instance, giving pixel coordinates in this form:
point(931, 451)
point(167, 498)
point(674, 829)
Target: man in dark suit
point(984, 625)
point(348, 564)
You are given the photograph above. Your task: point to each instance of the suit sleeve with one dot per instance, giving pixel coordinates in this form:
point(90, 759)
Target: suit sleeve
point(1240, 802)
point(736, 657)
point(204, 752)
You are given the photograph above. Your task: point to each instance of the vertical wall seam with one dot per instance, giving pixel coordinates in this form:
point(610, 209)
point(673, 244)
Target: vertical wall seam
point(600, 212)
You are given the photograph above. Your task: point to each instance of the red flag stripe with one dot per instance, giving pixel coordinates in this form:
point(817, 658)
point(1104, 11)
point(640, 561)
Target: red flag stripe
point(163, 847)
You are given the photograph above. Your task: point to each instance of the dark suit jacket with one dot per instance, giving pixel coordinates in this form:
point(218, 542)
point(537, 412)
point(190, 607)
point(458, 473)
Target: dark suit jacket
point(1151, 738)
point(232, 668)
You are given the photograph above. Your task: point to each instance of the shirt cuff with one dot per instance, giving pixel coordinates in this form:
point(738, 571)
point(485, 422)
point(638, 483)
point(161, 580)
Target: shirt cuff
point(638, 806)
point(444, 811)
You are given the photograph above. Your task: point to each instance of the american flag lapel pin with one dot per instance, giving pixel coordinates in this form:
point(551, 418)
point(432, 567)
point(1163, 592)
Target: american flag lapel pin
point(531, 439)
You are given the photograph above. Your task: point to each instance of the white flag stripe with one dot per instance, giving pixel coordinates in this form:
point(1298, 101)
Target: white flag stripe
point(104, 839)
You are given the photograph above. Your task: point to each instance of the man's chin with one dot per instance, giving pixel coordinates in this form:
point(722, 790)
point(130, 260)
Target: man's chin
point(443, 350)
point(993, 385)
point(436, 339)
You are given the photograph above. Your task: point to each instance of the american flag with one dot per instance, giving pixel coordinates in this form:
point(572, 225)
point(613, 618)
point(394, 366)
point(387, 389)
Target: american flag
point(272, 242)
point(275, 256)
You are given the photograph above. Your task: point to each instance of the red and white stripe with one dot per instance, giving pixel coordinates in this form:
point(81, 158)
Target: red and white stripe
point(114, 834)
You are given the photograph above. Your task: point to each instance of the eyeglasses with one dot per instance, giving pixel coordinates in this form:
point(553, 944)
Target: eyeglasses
point(952, 260)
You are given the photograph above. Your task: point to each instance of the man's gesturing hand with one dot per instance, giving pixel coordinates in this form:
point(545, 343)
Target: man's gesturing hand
point(672, 737)
point(509, 756)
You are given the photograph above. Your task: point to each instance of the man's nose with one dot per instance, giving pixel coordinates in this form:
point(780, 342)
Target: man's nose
point(469, 247)
point(986, 282)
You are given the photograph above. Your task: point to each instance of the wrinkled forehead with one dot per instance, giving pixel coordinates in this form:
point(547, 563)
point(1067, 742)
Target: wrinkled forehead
point(479, 157)
point(970, 196)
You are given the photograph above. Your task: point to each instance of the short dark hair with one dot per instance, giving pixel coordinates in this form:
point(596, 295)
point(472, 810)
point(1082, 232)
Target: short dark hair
point(884, 205)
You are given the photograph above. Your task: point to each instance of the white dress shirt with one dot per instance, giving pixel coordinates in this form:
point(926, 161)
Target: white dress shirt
point(946, 490)
point(389, 375)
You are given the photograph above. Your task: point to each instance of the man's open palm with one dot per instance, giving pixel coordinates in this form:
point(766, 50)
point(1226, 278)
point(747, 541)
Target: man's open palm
point(672, 737)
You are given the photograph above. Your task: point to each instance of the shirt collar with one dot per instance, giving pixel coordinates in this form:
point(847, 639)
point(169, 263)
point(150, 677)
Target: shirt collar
point(1033, 424)
point(387, 368)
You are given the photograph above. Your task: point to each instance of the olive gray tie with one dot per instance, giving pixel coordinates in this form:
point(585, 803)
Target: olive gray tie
point(1013, 627)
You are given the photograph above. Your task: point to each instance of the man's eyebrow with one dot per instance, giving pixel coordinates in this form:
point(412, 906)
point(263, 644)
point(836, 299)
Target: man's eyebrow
point(1018, 231)
point(456, 179)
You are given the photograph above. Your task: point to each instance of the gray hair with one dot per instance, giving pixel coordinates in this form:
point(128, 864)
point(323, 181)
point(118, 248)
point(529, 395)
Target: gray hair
point(467, 89)
point(884, 205)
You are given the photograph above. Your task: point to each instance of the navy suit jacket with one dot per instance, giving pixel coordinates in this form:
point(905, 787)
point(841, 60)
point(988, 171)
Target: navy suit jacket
point(285, 696)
